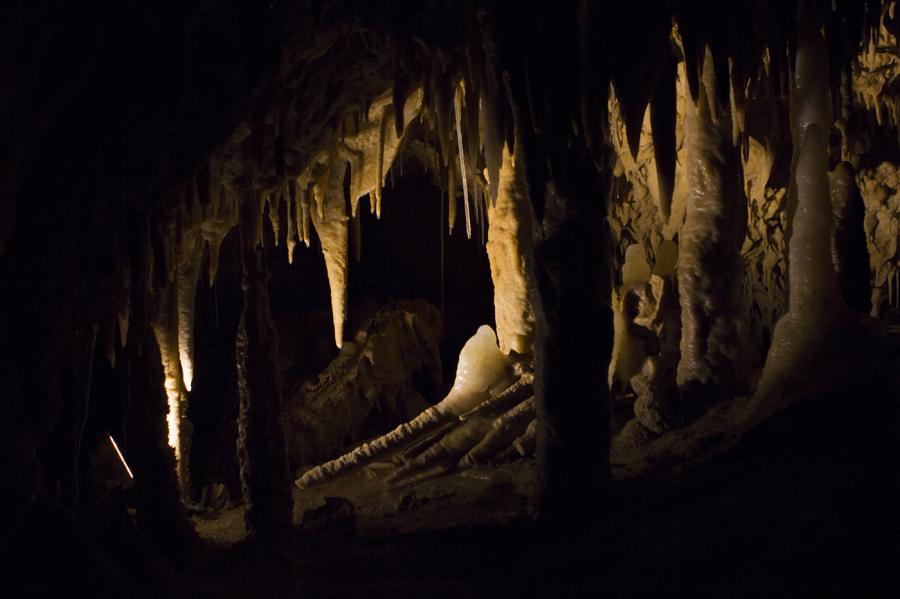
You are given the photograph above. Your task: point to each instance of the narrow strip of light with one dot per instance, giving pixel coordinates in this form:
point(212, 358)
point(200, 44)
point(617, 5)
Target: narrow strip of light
point(121, 457)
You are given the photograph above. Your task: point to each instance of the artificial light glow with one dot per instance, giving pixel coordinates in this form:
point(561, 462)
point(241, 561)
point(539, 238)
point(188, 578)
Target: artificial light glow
point(121, 457)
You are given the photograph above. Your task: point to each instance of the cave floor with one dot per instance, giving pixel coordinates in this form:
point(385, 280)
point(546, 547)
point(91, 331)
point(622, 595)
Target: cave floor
point(803, 503)
point(791, 493)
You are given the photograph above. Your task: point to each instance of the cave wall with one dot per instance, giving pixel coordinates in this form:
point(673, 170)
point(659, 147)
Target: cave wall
point(139, 134)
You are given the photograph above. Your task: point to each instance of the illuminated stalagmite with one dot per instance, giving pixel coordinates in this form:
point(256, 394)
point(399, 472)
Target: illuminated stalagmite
point(482, 371)
point(816, 308)
point(708, 261)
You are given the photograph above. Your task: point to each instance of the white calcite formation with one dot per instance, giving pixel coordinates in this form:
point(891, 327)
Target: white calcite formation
point(368, 148)
point(509, 250)
point(203, 210)
point(708, 260)
point(330, 221)
point(815, 304)
point(483, 370)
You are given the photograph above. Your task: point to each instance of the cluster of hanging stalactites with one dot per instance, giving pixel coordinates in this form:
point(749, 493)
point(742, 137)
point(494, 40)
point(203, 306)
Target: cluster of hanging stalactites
point(460, 100)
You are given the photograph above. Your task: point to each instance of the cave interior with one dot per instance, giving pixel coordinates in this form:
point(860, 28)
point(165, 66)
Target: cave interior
point(344, 298)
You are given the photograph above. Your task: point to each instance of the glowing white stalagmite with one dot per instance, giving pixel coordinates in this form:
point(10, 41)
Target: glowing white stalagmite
point(815, 304)
point(708, 259)
point(508, 250)
point(812, 283)
point(330, 222)
point(483, 370)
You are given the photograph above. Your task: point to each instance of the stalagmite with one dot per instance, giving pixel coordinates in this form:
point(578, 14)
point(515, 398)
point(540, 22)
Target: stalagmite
point(483, 371)
point(505, 429)
point(509, 252)
point(330, 222)
point(708, 259)
point(521, 389)
point(816, 308)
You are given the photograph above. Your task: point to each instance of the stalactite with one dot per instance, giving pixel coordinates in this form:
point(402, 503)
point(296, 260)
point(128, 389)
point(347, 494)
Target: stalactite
point(462, 164)
point(663, 118)
point(332, 228)
point(165, 329)
point(491, 128)
point(303, 214)
point(290, 210)
point(708, 260)
point(379, 164)
point(451, 197)
point(190, 258)
point(274, 204)
point(509, 252)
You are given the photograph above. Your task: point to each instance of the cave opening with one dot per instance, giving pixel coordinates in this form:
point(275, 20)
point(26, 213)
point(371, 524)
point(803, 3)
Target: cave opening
point(337, 298)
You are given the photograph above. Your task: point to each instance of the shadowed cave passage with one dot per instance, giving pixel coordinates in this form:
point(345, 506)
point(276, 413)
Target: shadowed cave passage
point(342, 299)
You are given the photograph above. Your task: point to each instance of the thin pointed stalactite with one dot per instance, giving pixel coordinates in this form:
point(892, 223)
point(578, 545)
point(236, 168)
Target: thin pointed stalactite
point(332, 228)
point(379, 168)
point(462, 165)
point(451, 197)
point(290, 210)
